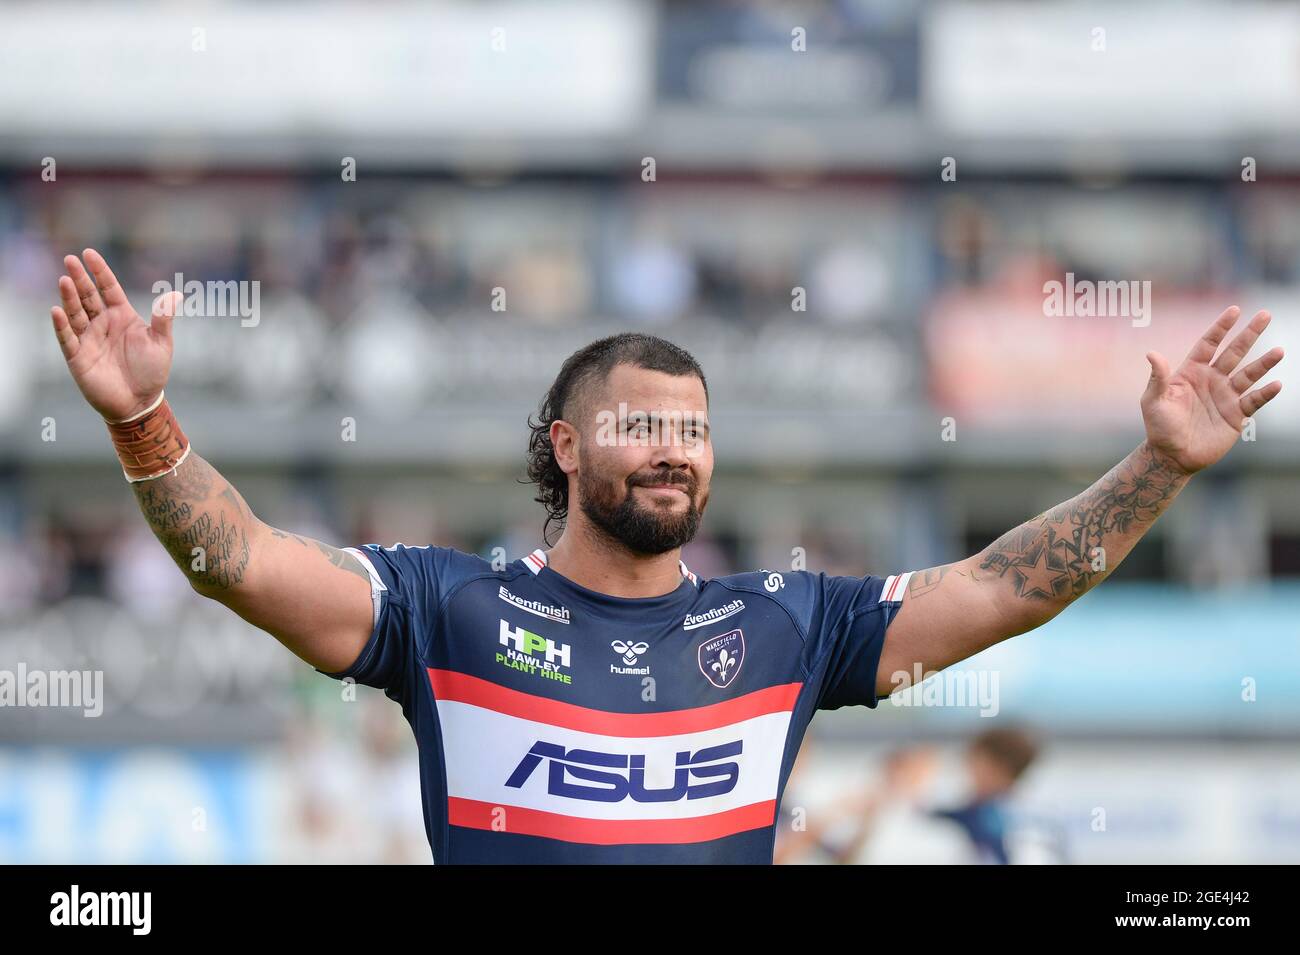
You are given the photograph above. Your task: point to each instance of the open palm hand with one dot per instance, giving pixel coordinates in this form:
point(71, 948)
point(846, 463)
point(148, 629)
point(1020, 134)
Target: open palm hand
point(119, 361)
point(1195, 413)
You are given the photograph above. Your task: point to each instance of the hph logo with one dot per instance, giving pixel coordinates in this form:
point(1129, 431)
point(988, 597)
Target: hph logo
point(525, 641)
point(721, 657)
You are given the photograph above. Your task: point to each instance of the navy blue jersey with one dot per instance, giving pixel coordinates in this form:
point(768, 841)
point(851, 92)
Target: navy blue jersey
point(559, 724)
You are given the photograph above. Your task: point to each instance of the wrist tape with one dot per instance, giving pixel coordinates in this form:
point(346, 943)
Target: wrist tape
point(151, 443)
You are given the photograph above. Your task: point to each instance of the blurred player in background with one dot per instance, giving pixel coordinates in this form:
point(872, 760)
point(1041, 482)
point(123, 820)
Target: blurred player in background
point(993, 763)
point(901, 799)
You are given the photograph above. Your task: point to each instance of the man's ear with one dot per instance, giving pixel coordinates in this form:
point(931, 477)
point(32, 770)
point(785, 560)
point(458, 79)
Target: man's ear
point(567, 443)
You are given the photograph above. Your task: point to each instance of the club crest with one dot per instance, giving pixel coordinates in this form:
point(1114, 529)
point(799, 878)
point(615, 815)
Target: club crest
point(721, 657)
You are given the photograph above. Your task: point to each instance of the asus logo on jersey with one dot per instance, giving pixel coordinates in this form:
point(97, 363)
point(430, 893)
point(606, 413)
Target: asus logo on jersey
point(525, 641)
point(618, 776)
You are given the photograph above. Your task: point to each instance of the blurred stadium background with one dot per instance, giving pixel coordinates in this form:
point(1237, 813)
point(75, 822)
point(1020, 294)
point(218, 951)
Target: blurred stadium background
point(504, 145)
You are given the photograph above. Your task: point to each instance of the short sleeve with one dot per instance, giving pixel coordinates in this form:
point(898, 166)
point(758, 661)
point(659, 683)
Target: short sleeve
point(849, 635)
point(407, 587)
point(398, 590)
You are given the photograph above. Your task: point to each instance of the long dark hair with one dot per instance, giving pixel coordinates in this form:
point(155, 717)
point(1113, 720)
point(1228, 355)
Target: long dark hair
point(580, 371)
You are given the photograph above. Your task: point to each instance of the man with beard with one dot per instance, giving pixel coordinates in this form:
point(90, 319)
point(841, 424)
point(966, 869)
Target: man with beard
point(598, 702)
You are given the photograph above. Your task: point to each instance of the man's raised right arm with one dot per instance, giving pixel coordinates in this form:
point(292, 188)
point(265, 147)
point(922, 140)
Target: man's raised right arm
point(314, 598)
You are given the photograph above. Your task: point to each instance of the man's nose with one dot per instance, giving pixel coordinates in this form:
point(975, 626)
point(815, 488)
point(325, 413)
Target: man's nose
point(671, 454)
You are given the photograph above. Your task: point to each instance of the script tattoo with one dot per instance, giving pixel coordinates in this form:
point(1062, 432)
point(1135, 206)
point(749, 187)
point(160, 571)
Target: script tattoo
point(1052, 556)
point(161, 511)
point(224, 548)
point(205, 526)
point(184, 514)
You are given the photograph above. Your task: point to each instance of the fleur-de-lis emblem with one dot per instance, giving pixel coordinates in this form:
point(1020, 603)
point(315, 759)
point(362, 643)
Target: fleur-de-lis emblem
point(723, 664)
point(721, 657)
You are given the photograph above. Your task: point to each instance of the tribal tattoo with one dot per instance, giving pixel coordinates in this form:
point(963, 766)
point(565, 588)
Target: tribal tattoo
point(335, 555)
point(1063, 552)
point(342, 559)
point(924, 582)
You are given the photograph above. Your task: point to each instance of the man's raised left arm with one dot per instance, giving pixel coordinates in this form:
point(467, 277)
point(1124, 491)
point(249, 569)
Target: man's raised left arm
point(1193, 415)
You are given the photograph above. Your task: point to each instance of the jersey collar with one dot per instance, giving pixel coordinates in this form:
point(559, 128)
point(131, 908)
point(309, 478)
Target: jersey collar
point(537, 560)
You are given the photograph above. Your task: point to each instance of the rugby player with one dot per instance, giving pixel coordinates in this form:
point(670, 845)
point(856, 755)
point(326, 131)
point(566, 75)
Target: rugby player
point(597, 701)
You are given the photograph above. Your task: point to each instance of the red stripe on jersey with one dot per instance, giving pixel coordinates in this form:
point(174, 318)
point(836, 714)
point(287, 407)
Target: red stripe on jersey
point(473, 814)
point(462, 688)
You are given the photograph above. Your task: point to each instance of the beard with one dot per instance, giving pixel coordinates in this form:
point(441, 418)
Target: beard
point(612, 508)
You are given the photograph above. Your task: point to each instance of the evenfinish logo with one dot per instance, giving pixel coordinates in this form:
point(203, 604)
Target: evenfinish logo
point(102, 908)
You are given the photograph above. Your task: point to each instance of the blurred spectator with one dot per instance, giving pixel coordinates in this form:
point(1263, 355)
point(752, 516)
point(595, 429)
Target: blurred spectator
point(848, 284)
point(652, 280)
point(141, 575)
point(20, 574)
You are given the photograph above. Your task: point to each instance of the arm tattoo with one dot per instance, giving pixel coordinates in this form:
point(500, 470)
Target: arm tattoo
point(336, 556)
point(213, 550)
point(205, 526)
point(1060, 554)
point(924, 582)
point(344, 560)
point(205, 533)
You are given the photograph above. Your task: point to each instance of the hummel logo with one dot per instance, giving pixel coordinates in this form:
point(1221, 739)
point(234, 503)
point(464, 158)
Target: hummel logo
point(630, 651)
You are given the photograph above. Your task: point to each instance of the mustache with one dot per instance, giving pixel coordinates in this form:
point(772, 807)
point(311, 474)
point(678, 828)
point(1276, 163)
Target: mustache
point(670, 477)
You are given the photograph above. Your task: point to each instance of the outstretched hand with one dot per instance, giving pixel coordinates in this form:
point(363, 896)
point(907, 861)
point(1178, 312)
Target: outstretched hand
point(119, 361)
point(1195, 413)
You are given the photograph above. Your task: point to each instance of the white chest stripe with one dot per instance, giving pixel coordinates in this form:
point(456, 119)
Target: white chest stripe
point(484, 748)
